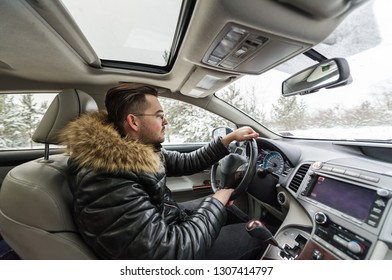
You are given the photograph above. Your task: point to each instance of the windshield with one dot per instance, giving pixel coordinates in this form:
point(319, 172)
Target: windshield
point(361, 110)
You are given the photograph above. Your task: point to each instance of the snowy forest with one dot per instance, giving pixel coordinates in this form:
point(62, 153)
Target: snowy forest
point(20, 116)
point(192, 124)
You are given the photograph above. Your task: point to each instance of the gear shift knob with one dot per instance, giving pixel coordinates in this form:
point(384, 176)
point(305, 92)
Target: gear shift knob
point(258, 230)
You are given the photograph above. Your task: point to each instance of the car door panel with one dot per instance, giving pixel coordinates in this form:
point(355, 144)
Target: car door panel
point(192, 186)
point(183, 187)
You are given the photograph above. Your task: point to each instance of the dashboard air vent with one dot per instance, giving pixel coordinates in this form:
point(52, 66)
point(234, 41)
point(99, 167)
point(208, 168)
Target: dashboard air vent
point(298, 177)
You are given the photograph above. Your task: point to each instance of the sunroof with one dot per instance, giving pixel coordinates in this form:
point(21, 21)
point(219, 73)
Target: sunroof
point(132, 31)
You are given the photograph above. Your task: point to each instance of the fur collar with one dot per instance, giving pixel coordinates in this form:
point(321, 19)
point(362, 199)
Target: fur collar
point(94, 143)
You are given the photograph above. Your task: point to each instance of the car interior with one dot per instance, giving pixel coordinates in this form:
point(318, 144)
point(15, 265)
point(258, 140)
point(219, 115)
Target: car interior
point(322, 199)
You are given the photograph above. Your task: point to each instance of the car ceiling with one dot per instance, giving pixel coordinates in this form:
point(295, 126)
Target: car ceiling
point(43, 49)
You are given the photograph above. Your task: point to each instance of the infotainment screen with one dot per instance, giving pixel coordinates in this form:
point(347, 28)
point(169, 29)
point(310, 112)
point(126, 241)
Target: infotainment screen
point(347, 198)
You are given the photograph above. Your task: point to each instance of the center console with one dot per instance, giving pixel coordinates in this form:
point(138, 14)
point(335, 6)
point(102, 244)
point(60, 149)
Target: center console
point(348, 208)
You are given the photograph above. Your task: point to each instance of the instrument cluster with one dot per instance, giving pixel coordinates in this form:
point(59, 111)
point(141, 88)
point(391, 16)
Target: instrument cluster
point(272, 161)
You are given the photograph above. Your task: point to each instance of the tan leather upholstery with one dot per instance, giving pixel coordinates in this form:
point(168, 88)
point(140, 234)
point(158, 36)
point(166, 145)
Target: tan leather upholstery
point(66, 106)
point(35, 198)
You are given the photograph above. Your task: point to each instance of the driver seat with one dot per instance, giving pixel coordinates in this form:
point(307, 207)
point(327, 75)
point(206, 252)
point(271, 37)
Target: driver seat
point(35, 197)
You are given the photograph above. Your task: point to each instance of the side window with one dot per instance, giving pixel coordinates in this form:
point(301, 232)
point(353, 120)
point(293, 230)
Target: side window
point(20, 115)
point(188, 123)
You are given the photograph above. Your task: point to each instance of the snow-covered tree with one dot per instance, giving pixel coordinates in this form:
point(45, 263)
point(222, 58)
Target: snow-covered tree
point(188, 123)
point(288, 113)
point(30, 114)
point(244, 100)
point(10, 124)
point(18, 120)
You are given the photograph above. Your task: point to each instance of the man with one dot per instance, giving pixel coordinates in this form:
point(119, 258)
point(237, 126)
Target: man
point(122, 206)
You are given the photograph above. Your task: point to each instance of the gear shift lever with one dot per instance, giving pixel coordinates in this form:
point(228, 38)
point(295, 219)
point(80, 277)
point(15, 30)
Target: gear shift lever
point(258, 230)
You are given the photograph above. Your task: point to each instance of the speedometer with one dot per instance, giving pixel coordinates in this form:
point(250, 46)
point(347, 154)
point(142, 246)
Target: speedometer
point(274, 162)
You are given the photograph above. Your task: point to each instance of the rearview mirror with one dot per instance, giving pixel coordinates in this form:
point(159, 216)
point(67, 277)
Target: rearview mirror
point(327, 74)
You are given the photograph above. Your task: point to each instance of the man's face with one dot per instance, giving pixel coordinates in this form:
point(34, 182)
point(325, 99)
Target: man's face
point(152, 129)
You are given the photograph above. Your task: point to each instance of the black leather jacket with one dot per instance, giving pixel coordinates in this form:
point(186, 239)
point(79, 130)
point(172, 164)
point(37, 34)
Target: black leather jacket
point(122, 206)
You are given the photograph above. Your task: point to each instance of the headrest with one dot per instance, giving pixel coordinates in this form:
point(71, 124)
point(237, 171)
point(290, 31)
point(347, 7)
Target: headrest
point(67, 106)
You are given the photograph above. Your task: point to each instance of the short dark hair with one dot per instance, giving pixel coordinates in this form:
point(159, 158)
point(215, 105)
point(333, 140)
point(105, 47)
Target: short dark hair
point(124, 99)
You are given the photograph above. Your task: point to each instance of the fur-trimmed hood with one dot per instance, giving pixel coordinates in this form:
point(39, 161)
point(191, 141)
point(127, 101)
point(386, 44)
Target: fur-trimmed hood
point(94, 143)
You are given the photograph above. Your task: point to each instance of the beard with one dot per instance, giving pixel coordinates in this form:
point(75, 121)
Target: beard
point(149, 137)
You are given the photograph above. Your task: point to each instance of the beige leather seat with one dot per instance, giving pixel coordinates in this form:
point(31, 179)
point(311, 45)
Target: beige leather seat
point(35, 198)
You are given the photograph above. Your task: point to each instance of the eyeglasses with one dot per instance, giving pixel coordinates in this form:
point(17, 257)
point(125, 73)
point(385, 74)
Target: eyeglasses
point(157, 115)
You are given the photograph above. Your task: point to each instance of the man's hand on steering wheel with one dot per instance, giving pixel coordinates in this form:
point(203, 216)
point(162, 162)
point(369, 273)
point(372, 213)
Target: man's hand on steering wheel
point(241, 134)
point(235, 167)
point(223, 195)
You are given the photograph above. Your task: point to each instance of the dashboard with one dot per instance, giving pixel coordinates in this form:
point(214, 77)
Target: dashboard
point(335, 199)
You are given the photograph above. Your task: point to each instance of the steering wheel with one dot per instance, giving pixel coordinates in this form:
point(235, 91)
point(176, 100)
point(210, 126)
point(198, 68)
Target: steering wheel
point(236, 171)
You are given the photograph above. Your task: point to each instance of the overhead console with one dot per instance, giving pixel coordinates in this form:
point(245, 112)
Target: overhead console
point(241, 49)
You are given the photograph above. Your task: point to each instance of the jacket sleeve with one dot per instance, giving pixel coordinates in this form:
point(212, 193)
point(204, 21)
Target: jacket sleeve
point(120, 222)
point(179, 164)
